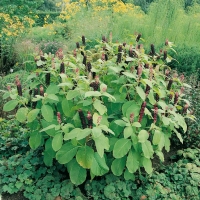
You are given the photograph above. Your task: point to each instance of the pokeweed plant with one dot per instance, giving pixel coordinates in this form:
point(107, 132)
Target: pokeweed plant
point(108, 108)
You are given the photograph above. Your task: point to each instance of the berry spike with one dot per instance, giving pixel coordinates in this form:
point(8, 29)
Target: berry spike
point(82, 118)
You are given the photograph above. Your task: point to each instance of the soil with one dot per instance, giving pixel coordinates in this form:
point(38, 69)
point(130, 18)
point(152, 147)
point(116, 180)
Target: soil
point(16, 196)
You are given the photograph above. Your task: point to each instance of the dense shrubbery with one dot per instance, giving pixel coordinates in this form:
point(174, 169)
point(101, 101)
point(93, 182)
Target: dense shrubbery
point(109, 108)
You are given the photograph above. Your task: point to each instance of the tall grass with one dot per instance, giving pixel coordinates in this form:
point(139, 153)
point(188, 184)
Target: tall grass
point(166, 19)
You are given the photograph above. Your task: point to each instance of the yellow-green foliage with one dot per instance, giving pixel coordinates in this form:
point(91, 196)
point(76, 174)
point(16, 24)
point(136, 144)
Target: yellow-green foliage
point(166, 19)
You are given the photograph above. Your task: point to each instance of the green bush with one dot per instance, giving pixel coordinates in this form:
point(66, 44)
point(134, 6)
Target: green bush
point(187, 61)
point(132, 104)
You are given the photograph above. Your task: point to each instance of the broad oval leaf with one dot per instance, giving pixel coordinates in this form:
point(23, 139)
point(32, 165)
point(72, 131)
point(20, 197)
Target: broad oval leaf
point(147, 165)
point(101, 143)
point(67, 106)
point(132, 162)
point(52, 97)
point(47, 113)
point(66, 153)
point(85, 156)
point(99, 107)
point(72, 134)
point(72, 94)
point(35, 139)
point(22, 114)
point(141, 93)
point(147, 149)
point(92, 94)
point(10, 105)
point(77, 173)
point(99, 166)
point(57, 141)
point(143, 136)
point(32, 115)
point(118, 165)
point(128, 131)
point(121, 148)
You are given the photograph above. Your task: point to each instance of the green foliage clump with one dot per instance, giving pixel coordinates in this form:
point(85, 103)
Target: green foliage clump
point(180, 180)
point(111, 108)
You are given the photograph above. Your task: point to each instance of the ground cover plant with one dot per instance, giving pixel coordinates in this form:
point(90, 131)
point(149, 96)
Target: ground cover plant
point(111, 108)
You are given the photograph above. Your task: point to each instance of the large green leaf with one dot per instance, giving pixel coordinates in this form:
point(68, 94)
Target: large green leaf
point(52, 98)
point(47, 113)
point(157, 137)
point(49, 127)
point(141, 93)
point(10, 105)
point(49, 153)
point(35, 139)
point(147, 165)
point(22, 114)
point(101, 143)
point(67, 108)
point(132, 162)
point(85, 156)
point(52, 89)
point(129, 176)
point(57, 141)
point(72, 94)
point(83, 133)
point(66, 153)
point(77, 173)
point(92, 94)
point(130, 107)
point(72, 134)
point(118, 165)
point(128, 131)
point(147, 149)
point(99, 166)
point(99, 107)
point(121, 148)
point(32, 115)
point(143, 136)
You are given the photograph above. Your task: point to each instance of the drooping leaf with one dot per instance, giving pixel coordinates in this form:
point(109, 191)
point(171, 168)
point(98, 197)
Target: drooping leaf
point(57, 141)
point(52, 89)
point(92, 94)
point(128, 131)
point(22, 114)
point(77, 173)
point(99, 107)
point(67, 106)
point(47, 113)
point(99, 166)
point(121, 148)
point(53, 97)
point(132, 162)
point(129, 176)
point(72, 94)
point(85, 156)
point(10, 105)
point(157, 137)
point(178, 135)
point(49, 153)
point(147, 165)
point(72, 134)
point(143, 136)
point(147, 149)
point(35, 139)
point(101, 143)
point(118, 165)
point(66, 153)
point(141, 93)
point(83, 133)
